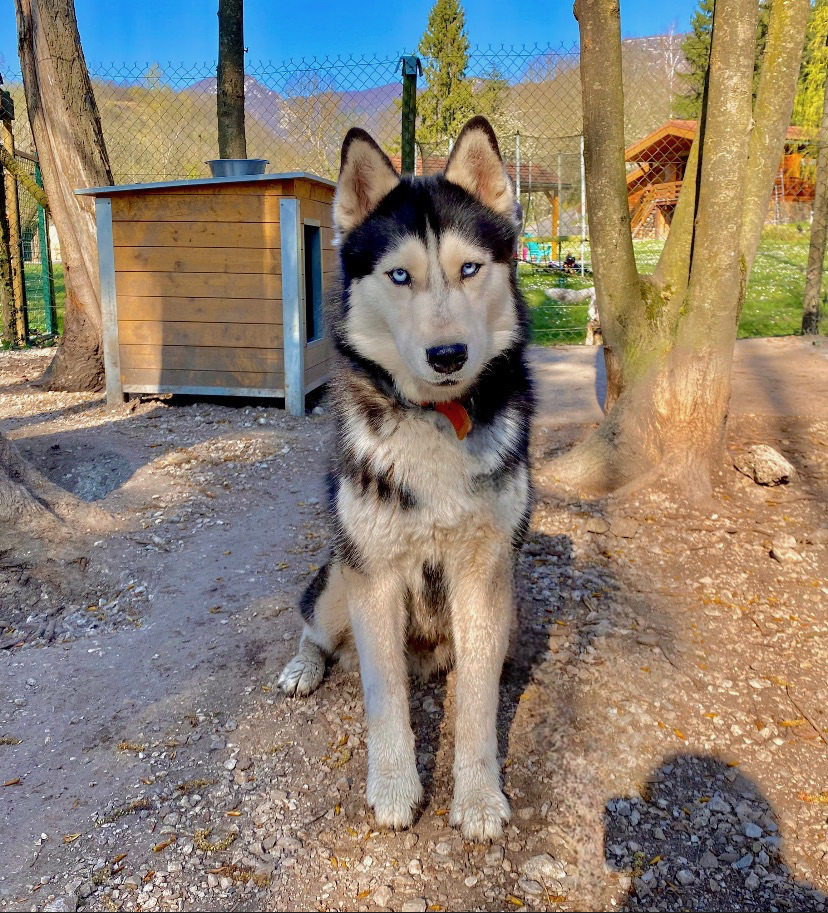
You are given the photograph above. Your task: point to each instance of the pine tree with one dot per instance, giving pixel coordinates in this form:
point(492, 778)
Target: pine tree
point(696, 48)
point(447, 103)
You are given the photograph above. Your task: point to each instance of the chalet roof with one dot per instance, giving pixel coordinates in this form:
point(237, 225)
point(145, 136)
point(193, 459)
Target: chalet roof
point(672, 140)
point(537, 176)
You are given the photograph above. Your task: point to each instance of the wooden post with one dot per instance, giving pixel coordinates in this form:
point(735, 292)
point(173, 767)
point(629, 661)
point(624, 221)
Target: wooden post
point(18, 279)
point(556, 210)
point(6, 290)
point(109, 301)
point(49, 306)
point(410, 68)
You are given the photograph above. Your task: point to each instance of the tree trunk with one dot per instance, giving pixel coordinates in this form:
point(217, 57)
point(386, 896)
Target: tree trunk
point(67, 132)
point(230, 95)
point(670, 336)
point(7, 317)
point(819, 229)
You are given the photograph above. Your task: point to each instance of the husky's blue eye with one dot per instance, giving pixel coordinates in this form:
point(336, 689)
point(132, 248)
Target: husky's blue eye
point(467, 270)
point(400, 276)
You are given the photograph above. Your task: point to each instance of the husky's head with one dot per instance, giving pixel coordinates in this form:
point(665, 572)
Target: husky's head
point(429, 293)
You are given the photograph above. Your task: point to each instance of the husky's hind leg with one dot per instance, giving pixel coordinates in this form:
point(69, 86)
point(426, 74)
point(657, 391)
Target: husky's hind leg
point(324, 608)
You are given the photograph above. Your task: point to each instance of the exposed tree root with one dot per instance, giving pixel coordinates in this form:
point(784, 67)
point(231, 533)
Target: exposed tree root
point(28, 500)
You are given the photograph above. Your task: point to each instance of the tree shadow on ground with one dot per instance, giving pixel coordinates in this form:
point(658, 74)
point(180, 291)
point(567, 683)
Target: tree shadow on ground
point(702, 837)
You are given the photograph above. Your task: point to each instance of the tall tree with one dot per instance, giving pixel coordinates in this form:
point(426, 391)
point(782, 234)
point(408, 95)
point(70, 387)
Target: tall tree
point(446, 104)
point(70, 147)
point(670, 336)
point(230, 90)
point(810, 91)
point(819, 229)
point(696, 48)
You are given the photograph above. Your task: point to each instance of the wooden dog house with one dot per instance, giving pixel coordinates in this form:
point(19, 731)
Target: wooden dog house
point(215, 286)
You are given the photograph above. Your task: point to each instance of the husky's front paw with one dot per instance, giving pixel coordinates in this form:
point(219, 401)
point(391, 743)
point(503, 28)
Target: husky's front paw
point(394, 797)
point(303, 673)
point(480, 813)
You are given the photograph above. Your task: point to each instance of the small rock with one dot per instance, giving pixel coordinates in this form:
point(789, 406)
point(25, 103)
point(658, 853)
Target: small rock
point(764, 465)
point(753, 830)
point(744, 862)
point(382, 896)
point(543, 868)
point(597, 525)
point(415, 905)
point(685, 877)
point(494, 855)
point(530, 886)
point(719, 805)
point(624, 527)
point(66, 904)
point(708, 860)
point(752, 881)
point(785, 540)
point(785, 555)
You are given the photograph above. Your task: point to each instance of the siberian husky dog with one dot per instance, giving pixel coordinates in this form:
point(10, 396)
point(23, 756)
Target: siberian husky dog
point(430, 492)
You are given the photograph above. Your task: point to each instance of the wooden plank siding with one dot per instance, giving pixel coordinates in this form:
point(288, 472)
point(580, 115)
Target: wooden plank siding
point(206, 310)
point(226, 259)
point(201, 358)
point(194, 333)
point(196, 207)
point(205, 285)
point(173, 377)
point(228, 235)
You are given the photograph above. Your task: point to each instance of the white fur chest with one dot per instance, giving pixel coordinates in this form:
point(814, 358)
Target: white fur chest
point(434, 486)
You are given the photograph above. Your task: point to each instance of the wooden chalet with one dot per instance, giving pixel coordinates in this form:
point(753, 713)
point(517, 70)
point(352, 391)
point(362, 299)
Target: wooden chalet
point(658, 163)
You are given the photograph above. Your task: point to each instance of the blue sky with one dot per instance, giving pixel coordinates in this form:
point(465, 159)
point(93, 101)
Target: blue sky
point(185, 31)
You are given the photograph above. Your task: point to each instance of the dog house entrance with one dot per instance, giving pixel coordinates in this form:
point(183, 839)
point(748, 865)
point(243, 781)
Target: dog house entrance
point(313, 281)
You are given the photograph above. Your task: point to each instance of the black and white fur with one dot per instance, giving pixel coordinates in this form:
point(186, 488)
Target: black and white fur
point(425, 524)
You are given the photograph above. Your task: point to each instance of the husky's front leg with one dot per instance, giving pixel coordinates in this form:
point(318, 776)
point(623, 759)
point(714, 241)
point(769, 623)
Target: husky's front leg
point(377, 608)
point(482, 608)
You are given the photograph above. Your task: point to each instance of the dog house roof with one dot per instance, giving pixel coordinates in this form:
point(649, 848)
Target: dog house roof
point(197, 182)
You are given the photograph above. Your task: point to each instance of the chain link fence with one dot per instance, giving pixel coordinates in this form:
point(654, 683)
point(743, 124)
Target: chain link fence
point(159, 122)
point(43, 278)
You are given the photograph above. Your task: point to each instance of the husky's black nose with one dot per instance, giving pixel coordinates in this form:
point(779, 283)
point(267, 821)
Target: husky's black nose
point(448, 359)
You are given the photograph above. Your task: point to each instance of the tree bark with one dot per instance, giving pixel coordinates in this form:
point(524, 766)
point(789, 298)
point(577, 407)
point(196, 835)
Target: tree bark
point(672, 334)
point(230, 95)
point(811, 311)
point(617, 284)
point(67, 132)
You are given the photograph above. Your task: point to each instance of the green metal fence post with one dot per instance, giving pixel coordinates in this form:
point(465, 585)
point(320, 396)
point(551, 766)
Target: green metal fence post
point(49, 305)
point(410, 69)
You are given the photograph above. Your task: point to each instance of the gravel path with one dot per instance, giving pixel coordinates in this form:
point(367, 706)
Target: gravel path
point(663, 725)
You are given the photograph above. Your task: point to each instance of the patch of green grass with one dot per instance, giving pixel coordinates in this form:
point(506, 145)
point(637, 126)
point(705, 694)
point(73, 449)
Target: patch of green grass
point(773, 305)
point(35, 297)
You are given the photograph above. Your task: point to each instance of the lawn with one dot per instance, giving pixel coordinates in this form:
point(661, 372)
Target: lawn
point(35, 297)
point(774, 298)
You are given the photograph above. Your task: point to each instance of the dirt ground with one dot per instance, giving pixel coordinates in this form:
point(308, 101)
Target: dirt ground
point(664, 726)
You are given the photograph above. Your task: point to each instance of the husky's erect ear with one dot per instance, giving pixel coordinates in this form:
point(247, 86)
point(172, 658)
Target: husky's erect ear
point(475, 164)
point(366, 175)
